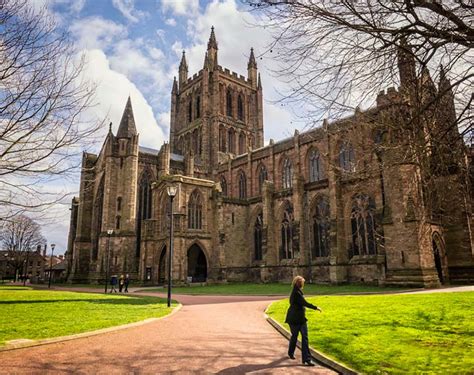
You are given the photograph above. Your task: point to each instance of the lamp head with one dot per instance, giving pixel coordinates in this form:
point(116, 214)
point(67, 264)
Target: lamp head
point(53, 246)
point(172, 190)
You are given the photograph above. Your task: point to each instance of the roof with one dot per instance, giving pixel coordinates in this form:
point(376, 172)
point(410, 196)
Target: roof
point(147, 150)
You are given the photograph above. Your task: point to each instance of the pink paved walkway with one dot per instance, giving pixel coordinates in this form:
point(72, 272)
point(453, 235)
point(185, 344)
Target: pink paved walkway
point(205, 336)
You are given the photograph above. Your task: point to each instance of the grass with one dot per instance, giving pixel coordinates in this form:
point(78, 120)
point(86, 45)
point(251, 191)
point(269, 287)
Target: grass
point(394, 334)
point(39, 314)
point(273, 289)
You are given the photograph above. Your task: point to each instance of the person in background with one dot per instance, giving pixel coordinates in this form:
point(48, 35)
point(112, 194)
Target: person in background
point(113, 283)
point(127, 281)
point(121, 283)
point(296, 318)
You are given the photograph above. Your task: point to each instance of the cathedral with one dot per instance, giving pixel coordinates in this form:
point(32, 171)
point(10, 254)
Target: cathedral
point(340, 203)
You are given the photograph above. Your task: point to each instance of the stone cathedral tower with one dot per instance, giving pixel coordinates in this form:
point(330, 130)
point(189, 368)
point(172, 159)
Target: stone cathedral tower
point(216, 112)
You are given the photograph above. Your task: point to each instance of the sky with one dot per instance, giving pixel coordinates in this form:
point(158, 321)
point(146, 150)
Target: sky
point(133, 48)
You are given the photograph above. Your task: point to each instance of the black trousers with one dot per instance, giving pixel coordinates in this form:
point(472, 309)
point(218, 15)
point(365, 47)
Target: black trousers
point(295, 330)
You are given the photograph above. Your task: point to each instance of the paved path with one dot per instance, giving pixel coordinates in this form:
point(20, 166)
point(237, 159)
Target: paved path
point(205, 336)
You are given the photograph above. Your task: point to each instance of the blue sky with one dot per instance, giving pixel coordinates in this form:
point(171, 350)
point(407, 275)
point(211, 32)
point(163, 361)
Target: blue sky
point(134, 48)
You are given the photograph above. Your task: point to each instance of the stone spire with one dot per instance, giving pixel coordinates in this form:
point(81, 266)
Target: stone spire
point(183, 70)
point(212, 40)
point(252, 63)
point(259, 86)
point(252, 69)
point(174, 90)
point(127, 127)
point(212, 50)
point(406, 66)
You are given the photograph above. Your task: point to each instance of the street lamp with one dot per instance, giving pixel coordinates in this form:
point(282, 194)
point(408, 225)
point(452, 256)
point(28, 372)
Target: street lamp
point(51, 264)
point(109, 233)
point(172, 189)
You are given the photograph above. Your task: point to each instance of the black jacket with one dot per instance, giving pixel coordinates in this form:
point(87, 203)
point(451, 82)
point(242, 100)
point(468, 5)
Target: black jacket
point(296, 311)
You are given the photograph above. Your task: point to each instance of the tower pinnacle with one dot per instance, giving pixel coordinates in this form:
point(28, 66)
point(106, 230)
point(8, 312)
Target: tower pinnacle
point(127, 127)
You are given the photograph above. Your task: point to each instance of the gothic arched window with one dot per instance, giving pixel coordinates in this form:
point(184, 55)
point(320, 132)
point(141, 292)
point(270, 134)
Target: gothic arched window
point(316, 171)
point(286, 228)
point(119, 203)
point(347, 158)
point(231, 140)
point(242, 185)
point(97, 221)
point(190, 110)
point(228, 101)
point(144, 197)
point(196, 145)
point(320, 225)
point(257, 237)
point(242, 143)
point(240, 108)
point(198, 106)
point(363, 225)
point(262, 176)
point(195, 211)
point(287, 174)
point(224, 186)
point(222, 138)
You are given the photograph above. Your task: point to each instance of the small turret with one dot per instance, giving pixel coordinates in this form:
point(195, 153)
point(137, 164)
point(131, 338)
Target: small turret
point(127, 128)
point(259, 85)
point(183, 70)
point(406, 66)
point(212, 50)
point(252, 69)
point(174, 90)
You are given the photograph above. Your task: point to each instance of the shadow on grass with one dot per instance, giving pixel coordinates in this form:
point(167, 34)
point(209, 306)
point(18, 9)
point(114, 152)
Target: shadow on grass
point(124, 301)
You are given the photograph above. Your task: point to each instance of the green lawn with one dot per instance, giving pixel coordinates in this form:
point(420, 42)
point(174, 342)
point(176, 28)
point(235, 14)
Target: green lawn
point(39, 314)
point(273, 289)
point(394, 334)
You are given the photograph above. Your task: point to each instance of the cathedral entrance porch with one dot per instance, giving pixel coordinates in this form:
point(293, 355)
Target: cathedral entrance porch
point(197, 264)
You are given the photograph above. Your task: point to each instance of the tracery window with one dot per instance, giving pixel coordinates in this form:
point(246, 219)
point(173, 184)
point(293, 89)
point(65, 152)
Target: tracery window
point(320, 226)
point(229, 103)
point(231, 140)
point(286, 228)
point(190, 110)
point(262, 176)
point(316, 171)
point(195, 211)
point(257, 236)
point(287, 174)
point(242, 185)
point(198, 106)
point(240, 108)
point(363, 225)
point(242, 143)
point(347, 158)
point(222, 139)
point(144, 197)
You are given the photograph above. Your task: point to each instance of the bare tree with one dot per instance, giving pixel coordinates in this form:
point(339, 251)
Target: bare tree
point(20, 237)
point(337, 55)
point(42, 104)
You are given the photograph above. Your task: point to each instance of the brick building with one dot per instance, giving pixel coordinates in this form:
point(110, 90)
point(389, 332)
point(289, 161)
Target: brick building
point(336, 204)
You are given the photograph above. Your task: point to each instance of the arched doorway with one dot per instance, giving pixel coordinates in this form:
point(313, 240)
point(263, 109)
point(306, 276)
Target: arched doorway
point(162, 267)
point(197, 264)
point(437, 253)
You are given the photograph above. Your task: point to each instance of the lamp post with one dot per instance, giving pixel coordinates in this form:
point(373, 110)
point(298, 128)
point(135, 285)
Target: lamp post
point(172, 189)
point(109, 233)
point(51, 264)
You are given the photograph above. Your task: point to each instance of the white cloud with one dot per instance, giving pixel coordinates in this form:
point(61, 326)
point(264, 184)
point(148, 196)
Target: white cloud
point(96, 32)
point(161, 35)
point(180, 7)
point(127, 8)
point(113, 89)
point(170, 22)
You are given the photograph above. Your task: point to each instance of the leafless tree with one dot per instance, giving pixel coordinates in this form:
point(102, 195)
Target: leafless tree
point(43, 99)
point(337, 56)
point(19, 237)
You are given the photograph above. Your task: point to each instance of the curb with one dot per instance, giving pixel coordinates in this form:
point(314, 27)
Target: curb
point(31, 343)
point(318, 356)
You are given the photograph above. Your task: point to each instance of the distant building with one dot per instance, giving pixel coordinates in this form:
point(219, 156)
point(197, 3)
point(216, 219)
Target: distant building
point(321, 204)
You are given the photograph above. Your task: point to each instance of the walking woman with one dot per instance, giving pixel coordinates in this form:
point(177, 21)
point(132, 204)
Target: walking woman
point(296, 319)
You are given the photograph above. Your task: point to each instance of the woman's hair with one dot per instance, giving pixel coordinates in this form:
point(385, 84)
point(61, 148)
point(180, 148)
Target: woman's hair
point(298, 281)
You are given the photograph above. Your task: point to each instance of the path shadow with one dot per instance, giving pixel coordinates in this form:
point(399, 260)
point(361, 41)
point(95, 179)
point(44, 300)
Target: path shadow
point(247, 368)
